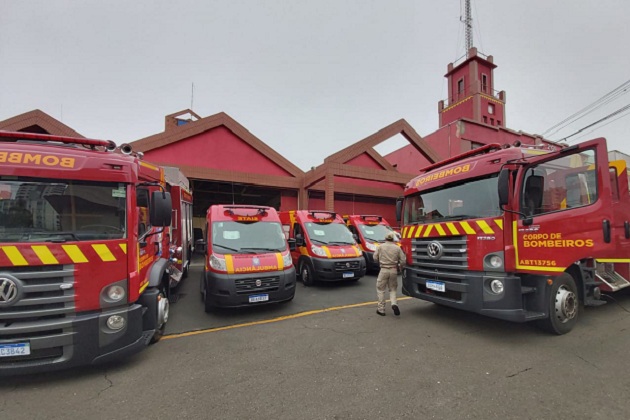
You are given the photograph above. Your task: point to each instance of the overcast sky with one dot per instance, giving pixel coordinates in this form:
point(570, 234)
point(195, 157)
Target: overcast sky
point(308, 77)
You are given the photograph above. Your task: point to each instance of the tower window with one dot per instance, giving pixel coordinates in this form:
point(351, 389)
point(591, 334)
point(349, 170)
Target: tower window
point(460, 86)
point(491, 109)
point(484, 83)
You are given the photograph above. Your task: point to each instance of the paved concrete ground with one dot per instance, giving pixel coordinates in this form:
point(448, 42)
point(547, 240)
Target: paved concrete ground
point(349, 363)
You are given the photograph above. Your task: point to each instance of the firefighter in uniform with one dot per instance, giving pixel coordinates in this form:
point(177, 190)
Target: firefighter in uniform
point(390, 258)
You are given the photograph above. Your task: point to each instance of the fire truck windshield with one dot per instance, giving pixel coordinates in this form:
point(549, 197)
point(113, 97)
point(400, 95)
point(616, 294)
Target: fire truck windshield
point(469, 199)
point(329, 233)
point(60, 210)
point(228, 237)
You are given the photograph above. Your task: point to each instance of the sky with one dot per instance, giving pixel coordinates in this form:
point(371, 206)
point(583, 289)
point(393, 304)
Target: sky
point(309, 77)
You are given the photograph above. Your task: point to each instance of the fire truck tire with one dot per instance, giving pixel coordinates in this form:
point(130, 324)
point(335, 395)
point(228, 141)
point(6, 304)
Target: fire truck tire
point(564, 306)
point(163, 308)
point(206, 299)
point(306, 274)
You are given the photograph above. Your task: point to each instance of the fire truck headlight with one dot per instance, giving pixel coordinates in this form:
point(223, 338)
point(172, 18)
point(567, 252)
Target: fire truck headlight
point(318, 251)
point(496, 286)
point(495, 261)
point(370, 246)
point(115, 293)
point(286, 260)
point(217, 263)
point(116, 322)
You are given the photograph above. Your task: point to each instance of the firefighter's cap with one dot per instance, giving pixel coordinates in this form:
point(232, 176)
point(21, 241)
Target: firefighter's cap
point(390, 236)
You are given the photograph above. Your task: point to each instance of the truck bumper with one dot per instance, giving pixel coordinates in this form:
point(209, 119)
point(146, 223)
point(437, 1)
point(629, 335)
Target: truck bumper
point(338, 269)
point(235, 290)
point(82, 340)
point(471, 292)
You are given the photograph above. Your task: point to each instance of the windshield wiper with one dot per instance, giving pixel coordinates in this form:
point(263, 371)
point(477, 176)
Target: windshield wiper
point(340, 243)
point(321, 242)
point(458, 217)
point(262, 249)
point(228, 248)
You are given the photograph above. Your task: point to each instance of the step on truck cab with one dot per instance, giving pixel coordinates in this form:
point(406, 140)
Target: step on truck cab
point(84, 267)
point(370, 231)
point(247, 259)
point(325, 248)
point(519, 233)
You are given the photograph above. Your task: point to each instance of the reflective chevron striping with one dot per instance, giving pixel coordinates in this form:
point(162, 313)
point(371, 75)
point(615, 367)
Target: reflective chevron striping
point(123, 247)
point(474, 227)
point(14, 255)
point(44, 254)
point(104, 252)
point(75, 253)
point(484, 227)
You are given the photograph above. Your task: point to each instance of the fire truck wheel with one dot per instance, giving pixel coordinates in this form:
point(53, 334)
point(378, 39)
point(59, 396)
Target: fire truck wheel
point(206, 299)
point(306, 274)
point(163, 308)
point(564, 304)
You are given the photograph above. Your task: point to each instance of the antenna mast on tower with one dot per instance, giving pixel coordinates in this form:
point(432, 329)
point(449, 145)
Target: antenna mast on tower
point(468, 26)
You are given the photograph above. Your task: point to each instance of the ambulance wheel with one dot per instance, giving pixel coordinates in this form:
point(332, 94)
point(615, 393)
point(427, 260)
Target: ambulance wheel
point(306, 274)
point(163, 308)
point(563, 306)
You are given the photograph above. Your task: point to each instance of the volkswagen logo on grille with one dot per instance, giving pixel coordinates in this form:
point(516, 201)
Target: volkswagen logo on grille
point(348, 264)
point(258, 283)
point(8, 291)
point(435, 250)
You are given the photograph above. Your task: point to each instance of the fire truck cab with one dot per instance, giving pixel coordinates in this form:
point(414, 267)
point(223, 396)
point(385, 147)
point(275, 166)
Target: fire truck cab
point(84, 267)
point(247, 260)
point(325, 248)
point(520, 234)
point(370, 231)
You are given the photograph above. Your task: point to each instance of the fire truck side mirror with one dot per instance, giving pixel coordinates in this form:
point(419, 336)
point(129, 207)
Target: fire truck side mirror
point(399, 203)
point(161, 208)
point(504, 187)
point(292, 245)
point(299, 240)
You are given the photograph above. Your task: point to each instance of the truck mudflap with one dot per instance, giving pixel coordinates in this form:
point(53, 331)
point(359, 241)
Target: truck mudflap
point(336, 269)
point(251, 289)
point(88, 340)
point(472, 292)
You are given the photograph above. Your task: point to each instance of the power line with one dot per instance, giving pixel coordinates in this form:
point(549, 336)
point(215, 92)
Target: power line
point(617, 112)
point(607, 98)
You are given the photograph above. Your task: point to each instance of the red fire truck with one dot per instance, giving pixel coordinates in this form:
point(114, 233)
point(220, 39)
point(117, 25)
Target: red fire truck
point(519, 234)
point(325, 249)
point(181, 230)
point(84, 265)
point(247, 258)
point(370, 231)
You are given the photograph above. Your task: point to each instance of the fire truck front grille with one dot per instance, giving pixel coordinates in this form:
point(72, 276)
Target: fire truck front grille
point(451, 264)
point(43, 314)
point(347, 265)
point(257, 284)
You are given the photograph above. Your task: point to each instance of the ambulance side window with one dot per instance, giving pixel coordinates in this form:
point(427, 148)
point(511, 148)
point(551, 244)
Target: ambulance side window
point(297, 230)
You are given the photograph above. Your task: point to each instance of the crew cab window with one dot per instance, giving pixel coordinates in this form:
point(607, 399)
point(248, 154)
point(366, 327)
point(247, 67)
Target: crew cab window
point(560, 184)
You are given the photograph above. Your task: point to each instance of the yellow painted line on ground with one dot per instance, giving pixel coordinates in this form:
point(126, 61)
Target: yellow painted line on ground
point(269, 321)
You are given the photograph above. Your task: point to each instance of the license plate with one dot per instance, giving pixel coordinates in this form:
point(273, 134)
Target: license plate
point(15, 349)
point(258, 298)
point(438, 286)
point(348, 275)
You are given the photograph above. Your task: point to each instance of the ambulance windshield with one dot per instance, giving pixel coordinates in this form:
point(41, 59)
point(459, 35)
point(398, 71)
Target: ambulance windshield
point(61, 211)
point(247, 238)
point(329, 234)
point(375, 233)
point(470, 199)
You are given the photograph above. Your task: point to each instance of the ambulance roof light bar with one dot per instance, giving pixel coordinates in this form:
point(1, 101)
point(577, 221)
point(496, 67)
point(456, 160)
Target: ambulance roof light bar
point(329, 214)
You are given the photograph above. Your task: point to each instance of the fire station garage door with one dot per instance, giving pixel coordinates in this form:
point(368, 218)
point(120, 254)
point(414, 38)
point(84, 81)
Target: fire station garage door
point(207, 193)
